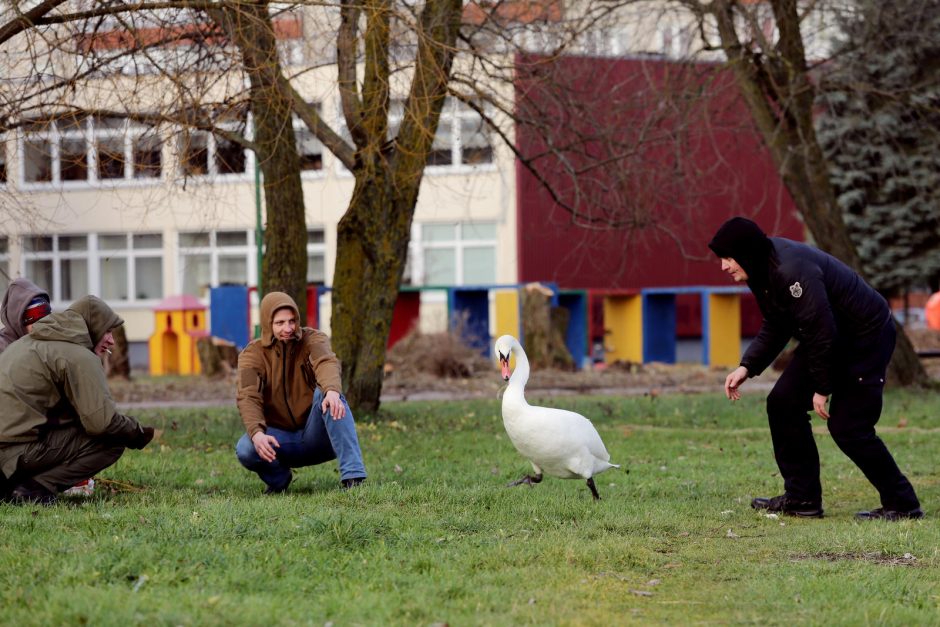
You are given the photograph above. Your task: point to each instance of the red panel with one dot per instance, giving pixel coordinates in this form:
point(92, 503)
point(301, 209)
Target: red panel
point(405, 316)
point(313, 307)
point(684, 158)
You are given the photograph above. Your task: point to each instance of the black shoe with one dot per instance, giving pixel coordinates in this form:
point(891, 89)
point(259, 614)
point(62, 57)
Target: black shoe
point(281, 490)
point(891, 514)
point(791, 507)
point(32, 492)
point(352, 483)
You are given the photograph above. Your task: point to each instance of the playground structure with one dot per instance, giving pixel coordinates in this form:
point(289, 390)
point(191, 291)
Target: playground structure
point(637, 326)
point(179, 322)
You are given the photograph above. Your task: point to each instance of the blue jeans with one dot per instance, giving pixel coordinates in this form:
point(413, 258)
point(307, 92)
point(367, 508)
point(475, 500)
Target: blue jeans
point(321, 440)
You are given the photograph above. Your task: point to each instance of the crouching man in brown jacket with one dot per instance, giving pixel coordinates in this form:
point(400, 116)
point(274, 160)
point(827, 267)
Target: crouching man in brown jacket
point(58, 422)
point(289, 397)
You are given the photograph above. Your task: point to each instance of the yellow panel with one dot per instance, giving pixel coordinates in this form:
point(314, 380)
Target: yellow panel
point(724, 329)
point(507, 312)
point(623, 328)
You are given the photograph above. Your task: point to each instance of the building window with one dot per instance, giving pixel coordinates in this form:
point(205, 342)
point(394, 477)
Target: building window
point(212, 258)
point(457, 254)
point(90, 150)
point(4, 263)
point(461, 137)
point(205, 154)
point(316, 257)
point(3, 163)
point(130, 267)
point(59, 264)
point(308, 146)
point(123, 268)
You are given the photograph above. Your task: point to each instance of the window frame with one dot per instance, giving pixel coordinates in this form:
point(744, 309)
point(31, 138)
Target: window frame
point(132, 255)
point(89, 132)
point(249, 250)
point(458, 244)
point(93, 255)
point(212, 174)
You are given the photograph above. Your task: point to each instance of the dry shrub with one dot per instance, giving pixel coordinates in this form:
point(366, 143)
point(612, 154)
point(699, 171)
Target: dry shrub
point(438, 354)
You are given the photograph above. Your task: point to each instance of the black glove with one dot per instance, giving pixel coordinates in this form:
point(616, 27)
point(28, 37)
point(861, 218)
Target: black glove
point(141, 439)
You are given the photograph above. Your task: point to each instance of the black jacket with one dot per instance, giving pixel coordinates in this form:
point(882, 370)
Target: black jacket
point(815, 298)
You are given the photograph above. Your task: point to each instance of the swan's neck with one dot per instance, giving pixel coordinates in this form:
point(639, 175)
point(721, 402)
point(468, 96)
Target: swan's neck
point(515, 392)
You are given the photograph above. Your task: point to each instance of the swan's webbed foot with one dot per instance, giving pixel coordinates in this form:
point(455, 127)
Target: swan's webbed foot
point(590, 484)
point(528, 480)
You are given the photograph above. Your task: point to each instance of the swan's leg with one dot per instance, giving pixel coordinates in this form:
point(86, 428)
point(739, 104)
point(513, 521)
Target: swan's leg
point(529, 480)
point(590, 484)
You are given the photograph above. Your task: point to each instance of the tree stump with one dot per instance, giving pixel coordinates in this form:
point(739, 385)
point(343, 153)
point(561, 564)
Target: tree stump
point(544, 329)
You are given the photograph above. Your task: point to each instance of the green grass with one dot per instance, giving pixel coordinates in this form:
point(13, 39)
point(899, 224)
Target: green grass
point(436, 537)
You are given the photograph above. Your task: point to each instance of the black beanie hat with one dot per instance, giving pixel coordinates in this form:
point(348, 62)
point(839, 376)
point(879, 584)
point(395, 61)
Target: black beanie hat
point(745, 242)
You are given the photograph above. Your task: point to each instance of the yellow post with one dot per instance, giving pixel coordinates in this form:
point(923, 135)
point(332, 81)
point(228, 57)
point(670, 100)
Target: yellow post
point(507, 312)
point(724, 329)
point(623, 328)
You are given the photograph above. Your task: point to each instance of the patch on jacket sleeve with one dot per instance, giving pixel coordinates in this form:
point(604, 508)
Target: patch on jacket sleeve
point(796, 290)
point(248, 378)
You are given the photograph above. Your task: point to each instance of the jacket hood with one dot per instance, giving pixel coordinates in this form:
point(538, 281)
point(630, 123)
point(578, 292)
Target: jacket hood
point(269, 305)
point(18, 295)
point(745, 242)
point(84, 323)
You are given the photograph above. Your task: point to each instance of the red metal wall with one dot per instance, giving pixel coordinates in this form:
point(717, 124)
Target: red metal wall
point(679, 155)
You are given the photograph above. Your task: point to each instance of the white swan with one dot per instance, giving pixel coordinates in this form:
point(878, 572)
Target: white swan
point(558, 442)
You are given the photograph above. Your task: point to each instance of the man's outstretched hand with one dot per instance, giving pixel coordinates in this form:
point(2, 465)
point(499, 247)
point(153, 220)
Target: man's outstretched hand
point(734, 381)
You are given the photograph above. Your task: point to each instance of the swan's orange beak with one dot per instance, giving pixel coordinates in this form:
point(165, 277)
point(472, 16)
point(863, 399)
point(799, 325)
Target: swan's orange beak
point(504, 366)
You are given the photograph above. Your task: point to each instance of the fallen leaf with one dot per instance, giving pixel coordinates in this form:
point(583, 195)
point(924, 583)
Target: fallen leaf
point(642, 593)
point(731, 534)
point(398, 469)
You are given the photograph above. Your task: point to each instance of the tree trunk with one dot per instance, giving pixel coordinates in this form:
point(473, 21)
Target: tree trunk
point(372, 245)
point(373, 235)
point(284, 264)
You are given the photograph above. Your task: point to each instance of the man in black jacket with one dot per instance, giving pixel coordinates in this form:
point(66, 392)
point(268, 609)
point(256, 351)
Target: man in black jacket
point(846, 336)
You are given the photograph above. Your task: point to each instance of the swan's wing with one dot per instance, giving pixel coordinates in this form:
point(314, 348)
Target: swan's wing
point(555, 433)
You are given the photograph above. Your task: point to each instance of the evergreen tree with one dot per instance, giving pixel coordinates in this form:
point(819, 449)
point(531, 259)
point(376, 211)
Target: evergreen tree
point(880, 130)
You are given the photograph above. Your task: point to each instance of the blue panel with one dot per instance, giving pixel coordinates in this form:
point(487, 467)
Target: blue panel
point(576, 336)
point(228, 314)
point(706, 325)
point(659, 327)
point(469, 310)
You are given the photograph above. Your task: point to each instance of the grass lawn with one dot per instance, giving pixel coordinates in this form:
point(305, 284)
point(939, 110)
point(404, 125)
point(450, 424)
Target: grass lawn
point(434, 536)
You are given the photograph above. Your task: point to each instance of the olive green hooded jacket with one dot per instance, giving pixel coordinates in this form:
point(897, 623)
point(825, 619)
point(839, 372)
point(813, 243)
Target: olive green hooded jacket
point(52, 378)
point(276, 379)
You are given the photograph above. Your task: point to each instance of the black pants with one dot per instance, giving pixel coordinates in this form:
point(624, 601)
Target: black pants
point(63, 457)
point(854, 409)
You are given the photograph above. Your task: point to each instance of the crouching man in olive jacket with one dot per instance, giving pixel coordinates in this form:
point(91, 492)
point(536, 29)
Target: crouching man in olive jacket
point(58, 422)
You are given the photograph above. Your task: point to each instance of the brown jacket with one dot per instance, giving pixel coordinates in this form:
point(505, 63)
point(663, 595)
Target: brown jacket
point(276, 379)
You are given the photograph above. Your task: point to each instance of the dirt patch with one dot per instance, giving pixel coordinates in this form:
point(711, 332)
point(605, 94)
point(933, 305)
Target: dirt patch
point(876, 558)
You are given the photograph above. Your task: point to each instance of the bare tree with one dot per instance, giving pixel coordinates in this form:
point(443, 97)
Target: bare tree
point(227, 67)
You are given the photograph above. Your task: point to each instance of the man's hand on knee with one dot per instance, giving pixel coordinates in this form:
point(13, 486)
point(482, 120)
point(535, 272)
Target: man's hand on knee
point(333, 404)
point(265, 445)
